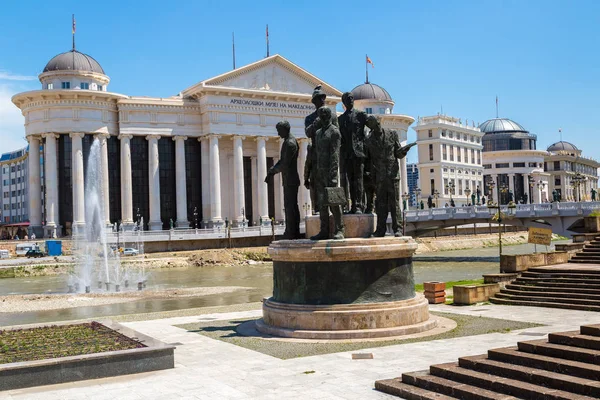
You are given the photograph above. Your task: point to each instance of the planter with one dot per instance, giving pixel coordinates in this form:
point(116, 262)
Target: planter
point(522, 262)
point(435, 292)
point(592, 224)
point(471, 294)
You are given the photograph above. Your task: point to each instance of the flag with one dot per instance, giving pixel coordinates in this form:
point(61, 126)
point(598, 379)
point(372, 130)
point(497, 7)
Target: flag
point(73, 30)
point(370, 62)
point(496, 101)
point(559, 130)
point(267, 33)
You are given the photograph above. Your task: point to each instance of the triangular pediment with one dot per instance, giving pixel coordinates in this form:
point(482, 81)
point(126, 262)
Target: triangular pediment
point(271, 74)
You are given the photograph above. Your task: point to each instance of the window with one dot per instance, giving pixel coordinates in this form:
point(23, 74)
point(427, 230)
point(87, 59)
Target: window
point(460, 187)
point(465, 137)
point(518, 165)
point(12, 169)
point(450, 134)
point(458, 154)
point(472, 156)
point(430, 152)
point(100, 88)
point(557, 165)
point(478, 156)
point(556, 181)
point(381, 110)
point(85, 86)
point(445, 185)
point(432, 186)
point(445, 169)
point(532, 164)
point(452, 170)
point(6, 195)
point(444, 152)
point(451, 153)
point(66, 85)
point(502, 165)
point(12, 181)
point(369, 110)
point(431, 171)
point(50, 86)
point(431, 133)
point(443, 133)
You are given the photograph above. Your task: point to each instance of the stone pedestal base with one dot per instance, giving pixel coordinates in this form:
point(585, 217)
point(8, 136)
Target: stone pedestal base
point(346, 321)
point(355, 225)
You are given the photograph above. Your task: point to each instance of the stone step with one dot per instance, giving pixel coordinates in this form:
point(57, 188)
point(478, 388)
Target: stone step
point(560, 281)
point(553, 364)
point(576, 339)
point(511, 387)
point(549, 289)
point(561, 274)
point(542, 347)
point(538, 293)
point(540, 297)
point(554, 303)
point(585, 256)
point(534, 376)
point(424, 380)
point(398, 388)
point(583, 261)
point(590, 330)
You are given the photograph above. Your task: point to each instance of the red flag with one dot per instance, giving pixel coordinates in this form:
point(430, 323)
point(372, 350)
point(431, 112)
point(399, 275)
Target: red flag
point(370, 62)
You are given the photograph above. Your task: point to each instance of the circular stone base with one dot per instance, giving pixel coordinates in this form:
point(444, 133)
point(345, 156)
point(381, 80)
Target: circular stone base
point(346, 321)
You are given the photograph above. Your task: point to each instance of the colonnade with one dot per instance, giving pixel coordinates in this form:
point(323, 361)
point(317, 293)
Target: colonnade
point(537, 191)
point(210, 173)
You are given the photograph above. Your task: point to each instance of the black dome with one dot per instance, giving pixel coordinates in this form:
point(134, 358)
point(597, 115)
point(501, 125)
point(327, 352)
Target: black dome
point(498, 125)
point(562, 146)
point(73, 61)
point(371, 91)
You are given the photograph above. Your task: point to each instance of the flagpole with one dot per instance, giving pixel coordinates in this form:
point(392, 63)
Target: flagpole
point(496, 106)
point(366, 69)
point(233, 47)
point(267, 40)
point(73, 29)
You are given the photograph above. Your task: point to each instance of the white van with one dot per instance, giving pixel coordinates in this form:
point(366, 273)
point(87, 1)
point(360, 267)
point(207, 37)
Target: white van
point(23, 248)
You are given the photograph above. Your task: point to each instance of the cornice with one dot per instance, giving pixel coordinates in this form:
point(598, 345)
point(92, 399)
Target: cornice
point(87, 74)
point(38, 98)
point(263, 94)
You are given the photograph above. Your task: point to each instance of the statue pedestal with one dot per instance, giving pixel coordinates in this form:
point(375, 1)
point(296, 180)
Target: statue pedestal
point(344, 289)
point(355, 225)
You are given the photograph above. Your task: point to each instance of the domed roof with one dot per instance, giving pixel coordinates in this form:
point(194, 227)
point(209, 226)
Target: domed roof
point(498, 125)
point(371, 91)
point(562, 146)
point(73, 61)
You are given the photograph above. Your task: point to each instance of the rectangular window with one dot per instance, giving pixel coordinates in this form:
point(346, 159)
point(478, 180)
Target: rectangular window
point(460, 189)
point(369, 110)
point(85, 86)
point(100, 88)
point(450, 134)
point(66, 85)
point(472, 156)
point(12, 169)
point(458, 154)
point(451, 153)
point(12, 181)
point(446, 186)
point(50, 86)
point(432, 186)
point(556, 181)
point(444, 152)
point(518, 165)
point(502, 165)
point(443, 133)
point(479, 157)
point(430, 152)
point(557, 165)
point(430, 133)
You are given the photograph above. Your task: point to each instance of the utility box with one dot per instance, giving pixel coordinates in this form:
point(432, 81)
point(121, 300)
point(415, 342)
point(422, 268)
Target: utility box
point(54, 247)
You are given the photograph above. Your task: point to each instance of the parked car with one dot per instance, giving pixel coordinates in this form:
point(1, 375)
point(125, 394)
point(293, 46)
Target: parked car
point(130, 252)
point(35, 253)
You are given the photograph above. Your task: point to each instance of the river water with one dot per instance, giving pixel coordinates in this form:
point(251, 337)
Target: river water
point(441, 266)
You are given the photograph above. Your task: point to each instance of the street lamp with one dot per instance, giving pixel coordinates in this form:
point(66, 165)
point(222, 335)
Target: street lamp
point(491, 186)
point(467, 194)
point(531, 186)
point(576, 182)
point(306, 208)
point(137, 215)
point(497, 215)
point(195, 218)
point(405, 197)
point(503, 189)
point(541, 185)
point(436, 196)
point(450, 189)
point(418, 194)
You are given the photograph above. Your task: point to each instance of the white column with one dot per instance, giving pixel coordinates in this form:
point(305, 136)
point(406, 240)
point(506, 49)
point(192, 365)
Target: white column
point(180, 182)
point(204, 167)
point(303, 194)
point(78, 182)
point(262, 188)
point(511, 184)
point(404, 177)
point(537, 198)
point(51, 179)
point(154, 183)
point(35, 186)
point(215, 181)
point(126, 186)
point(103, 138)
point(492, 193)
point(238, 181)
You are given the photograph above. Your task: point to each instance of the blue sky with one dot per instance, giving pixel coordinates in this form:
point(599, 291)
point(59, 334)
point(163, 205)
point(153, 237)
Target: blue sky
point(541, 58)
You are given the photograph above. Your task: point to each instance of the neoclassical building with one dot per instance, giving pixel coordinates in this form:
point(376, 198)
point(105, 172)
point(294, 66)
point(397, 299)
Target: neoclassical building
point(198, 158)
point(512, 162)
point(565, 162)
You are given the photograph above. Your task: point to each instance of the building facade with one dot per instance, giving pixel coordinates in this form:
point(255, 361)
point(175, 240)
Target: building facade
point(14, 187)
point(514, 168)
point(572, 176)
point(197, 159)
point(412, 173)
point(450, 159)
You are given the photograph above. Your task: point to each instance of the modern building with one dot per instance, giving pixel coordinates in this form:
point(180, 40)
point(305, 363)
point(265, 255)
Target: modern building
point(572, 176)
point(14, 187)
point(513, 166)
point(412, 173)
point(449, 159)
point(197, 158)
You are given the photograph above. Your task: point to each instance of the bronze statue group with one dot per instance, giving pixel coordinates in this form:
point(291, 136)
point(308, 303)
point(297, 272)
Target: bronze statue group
point(367, 167)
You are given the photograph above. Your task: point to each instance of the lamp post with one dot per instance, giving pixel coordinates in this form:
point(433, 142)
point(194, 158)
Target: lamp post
point(418, 196)
point(467, 194)
point(502, 190)
point(306, 208)
point(243, 217)
point(531, 186)
point(436, 196)
point(450, 189)
point(541, 185)
point(576, 182)
point(137, 216)
point(196, 219)
point(405, 197)
point(497, 215)
point(491, 186)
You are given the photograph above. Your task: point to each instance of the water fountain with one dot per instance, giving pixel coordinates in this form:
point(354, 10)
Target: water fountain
point(95, 260)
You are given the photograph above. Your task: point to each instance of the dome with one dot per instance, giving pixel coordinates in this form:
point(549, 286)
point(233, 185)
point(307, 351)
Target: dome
point(501, 125)
point(73, 61)
point(562, 146)
point(371, 91)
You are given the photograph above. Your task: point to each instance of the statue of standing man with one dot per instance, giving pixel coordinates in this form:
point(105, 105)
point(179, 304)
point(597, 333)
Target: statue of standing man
point(311, 124)
point(384, 150)
point(327, 150)
point(352, 154)
point(288, 167)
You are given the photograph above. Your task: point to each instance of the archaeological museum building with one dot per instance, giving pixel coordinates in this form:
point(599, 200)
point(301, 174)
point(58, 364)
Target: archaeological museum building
point(197, 159)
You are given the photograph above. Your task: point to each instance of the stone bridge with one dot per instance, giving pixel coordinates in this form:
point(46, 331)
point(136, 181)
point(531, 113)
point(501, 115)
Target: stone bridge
point(564, 219)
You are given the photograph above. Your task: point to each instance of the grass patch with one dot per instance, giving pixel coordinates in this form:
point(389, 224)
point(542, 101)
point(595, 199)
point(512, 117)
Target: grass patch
point(225, 331)
point(47, 342)
point(449, 285)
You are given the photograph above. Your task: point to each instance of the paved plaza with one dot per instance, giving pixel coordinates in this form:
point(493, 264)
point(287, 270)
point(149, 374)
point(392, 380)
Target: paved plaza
point(211, 369)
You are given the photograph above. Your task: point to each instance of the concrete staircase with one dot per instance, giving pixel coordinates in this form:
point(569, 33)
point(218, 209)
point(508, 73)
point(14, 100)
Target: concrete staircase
point(590, 253)
point(565, 366)
point(569, 286)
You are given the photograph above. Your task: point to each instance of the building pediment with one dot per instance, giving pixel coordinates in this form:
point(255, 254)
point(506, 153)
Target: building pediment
point(272, 74)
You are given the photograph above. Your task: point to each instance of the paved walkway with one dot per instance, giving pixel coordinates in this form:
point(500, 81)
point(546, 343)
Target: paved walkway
point(212, 369)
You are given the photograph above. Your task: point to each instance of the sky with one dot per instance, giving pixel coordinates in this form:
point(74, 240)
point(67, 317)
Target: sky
point(541, 58)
